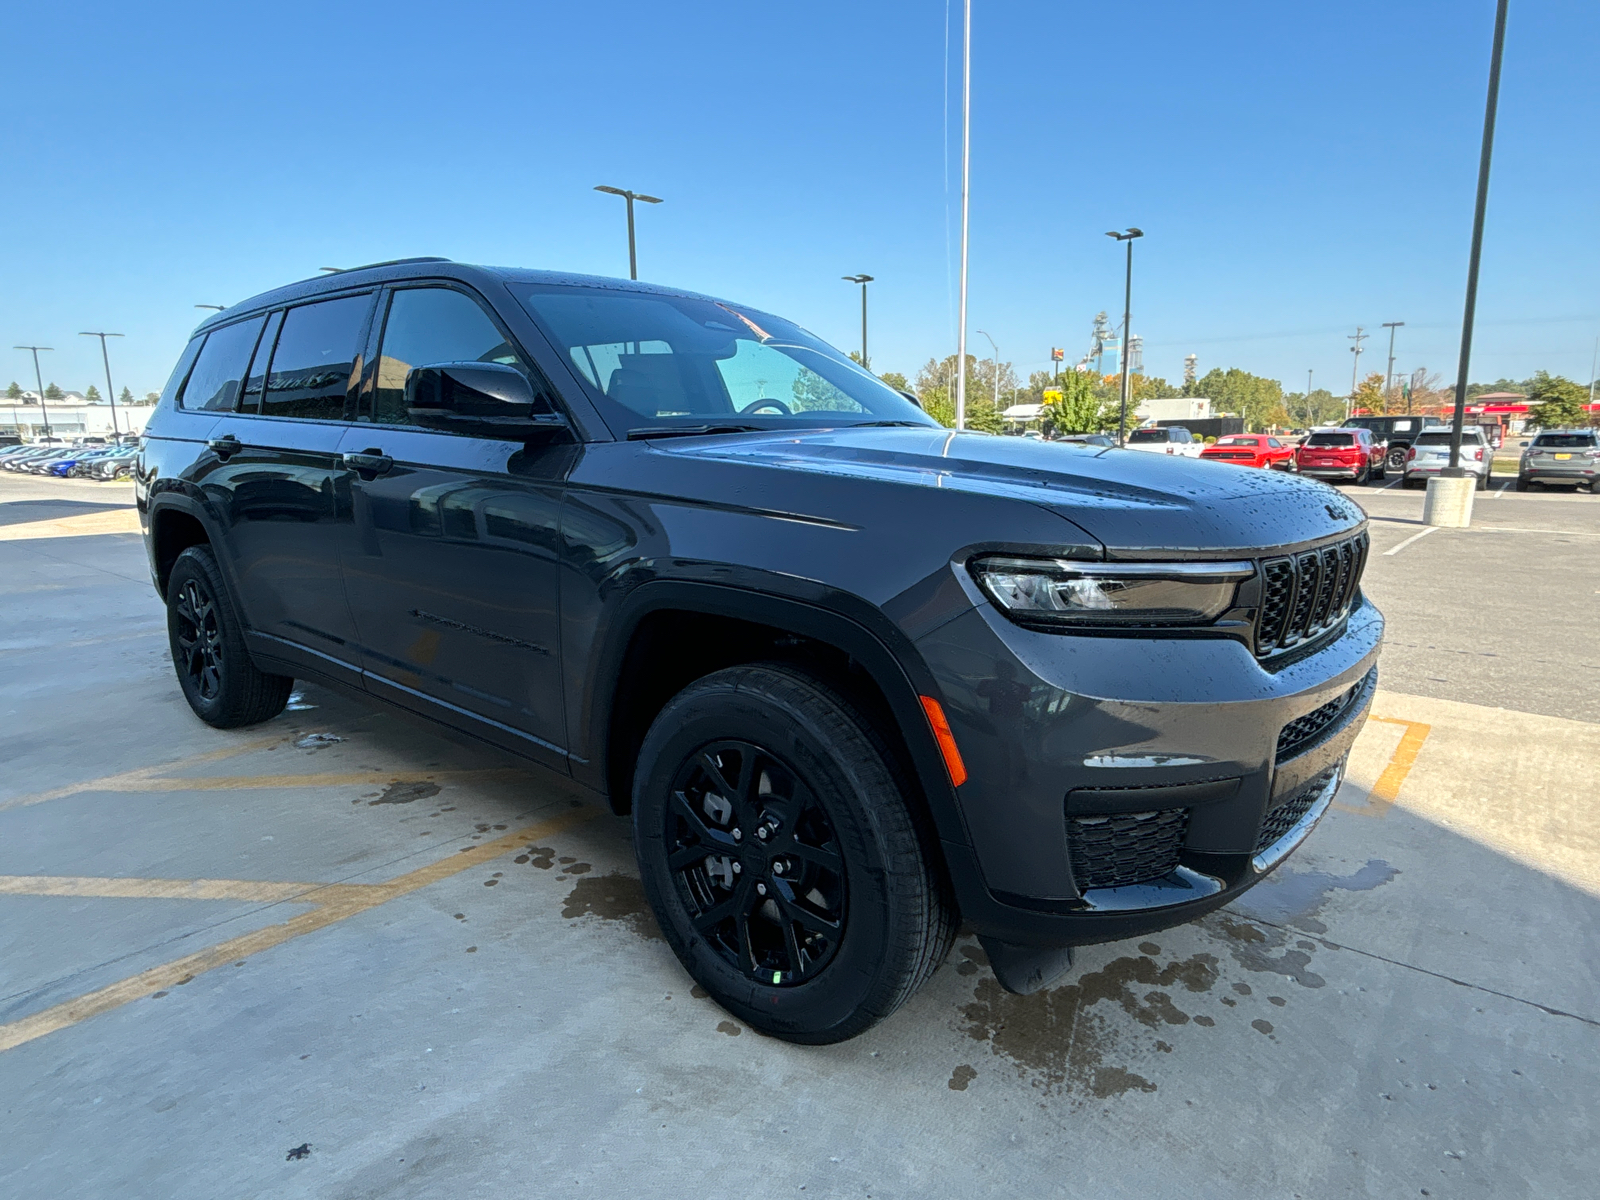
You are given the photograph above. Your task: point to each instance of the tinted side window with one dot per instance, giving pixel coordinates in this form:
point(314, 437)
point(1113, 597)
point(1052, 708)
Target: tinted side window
point(316, 363)
point(257, 375)
point(428, 326)
point(214, 382)
point(169, 394)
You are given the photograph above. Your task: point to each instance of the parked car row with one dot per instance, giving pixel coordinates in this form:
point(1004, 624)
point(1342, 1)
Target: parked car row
point(102, 462)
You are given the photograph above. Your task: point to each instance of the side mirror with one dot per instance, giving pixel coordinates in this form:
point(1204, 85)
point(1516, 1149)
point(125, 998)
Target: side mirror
point(912, 397)
point(486, 399)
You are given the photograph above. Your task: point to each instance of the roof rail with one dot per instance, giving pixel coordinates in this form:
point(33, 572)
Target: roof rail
point(388, 262)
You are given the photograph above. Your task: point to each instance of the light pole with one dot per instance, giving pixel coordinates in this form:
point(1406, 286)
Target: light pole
point(44, 410)
point(863, 280)
point(1355, 367)
point(217, 307)
point(630, 197)
point(1308, 397)
point(1127, 319)
point(111, 394)
point(996, 350)
point(1477, 236)
point(1388, 375)
point(966, 177)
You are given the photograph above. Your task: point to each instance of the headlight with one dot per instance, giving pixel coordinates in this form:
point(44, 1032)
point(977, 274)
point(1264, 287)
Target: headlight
point(1059, 591)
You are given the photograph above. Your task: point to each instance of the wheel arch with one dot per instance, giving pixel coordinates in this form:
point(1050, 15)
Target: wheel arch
point(655, 648)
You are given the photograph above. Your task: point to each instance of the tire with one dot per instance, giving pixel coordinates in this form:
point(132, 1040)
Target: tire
point(1522, 483)
point(876, 919)
point(1364, 475)
point(1483, 482)
point(220, 682)
point(1382, 472)
point(1594, 488)
point(1397, 458)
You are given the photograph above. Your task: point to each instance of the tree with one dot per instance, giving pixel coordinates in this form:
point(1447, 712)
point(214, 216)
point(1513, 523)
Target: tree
point(1555, 401)
point(896, 380)
point(14, 392)
point(1074, 406)
point(1369, 399)
point(936, 385)
point(1256, 399)
point(52, 392)
point(126, 397)
point(1323, 408)
point(150, 398)
point(92, 396)
point(813, 393)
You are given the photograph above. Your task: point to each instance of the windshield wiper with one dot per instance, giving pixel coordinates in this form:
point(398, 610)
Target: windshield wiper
point(661, 431)
point(907, 424)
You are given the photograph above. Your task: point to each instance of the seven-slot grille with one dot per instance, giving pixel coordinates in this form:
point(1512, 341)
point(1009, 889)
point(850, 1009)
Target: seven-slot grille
point(1305, 594)
point(1122, 848)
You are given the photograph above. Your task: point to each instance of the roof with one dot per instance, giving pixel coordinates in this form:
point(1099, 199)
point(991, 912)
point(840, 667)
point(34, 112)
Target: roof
point(1023, 412)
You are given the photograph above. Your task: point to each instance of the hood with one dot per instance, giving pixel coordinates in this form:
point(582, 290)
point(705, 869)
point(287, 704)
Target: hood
point(1135, 504)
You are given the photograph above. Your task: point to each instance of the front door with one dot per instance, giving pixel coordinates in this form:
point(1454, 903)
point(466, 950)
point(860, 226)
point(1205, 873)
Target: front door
point(454, 575)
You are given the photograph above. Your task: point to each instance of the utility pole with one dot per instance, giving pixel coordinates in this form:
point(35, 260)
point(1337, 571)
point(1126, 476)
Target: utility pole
point(44, 409)
point(1391, 326)
point(111, 394)
point(1308, 397)
point(1355, 366)
point(1481, 205)
point(1127, 319)
point(630, 197)
point(966, 178)
point(863, 280)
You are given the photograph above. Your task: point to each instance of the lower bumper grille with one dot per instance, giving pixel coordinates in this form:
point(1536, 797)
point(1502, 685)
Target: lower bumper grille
point(1124, 848)
point(1302, 731)
point(1284, 818)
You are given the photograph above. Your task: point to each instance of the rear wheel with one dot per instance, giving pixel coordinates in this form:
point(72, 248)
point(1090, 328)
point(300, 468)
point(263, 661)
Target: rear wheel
point(1483, 482)
point(1397, 458)
point(219, 681)
point(780, 855)
point(1363, 475)
point(1522, 483)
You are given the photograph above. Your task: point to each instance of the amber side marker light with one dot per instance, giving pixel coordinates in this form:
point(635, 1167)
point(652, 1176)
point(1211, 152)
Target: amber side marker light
point(946, 740)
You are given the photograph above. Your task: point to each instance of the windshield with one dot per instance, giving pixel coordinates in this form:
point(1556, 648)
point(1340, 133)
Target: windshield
point(1442, 437)
point(659, 362)
point(1236, 441)
point(1331, 439)
point(1565, 441)
point(1148, 435)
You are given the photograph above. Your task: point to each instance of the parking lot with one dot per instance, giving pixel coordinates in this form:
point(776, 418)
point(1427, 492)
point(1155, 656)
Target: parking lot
point(341, 955)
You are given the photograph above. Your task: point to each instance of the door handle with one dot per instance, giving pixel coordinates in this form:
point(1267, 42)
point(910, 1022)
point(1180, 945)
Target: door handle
point(369, 463)
point(225, 446)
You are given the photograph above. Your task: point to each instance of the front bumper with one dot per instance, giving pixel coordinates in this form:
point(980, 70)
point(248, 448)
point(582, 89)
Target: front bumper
point(1175, 745)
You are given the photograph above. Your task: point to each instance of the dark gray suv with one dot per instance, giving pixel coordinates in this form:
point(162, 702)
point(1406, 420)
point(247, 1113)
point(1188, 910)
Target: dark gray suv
point(855, 677)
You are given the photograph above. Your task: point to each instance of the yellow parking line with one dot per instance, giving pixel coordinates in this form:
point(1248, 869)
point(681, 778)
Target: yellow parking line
point(228, 783)
point(334, 902)
point(117, 520)
point(1401, 761)
point(163, 889)
point(121, 780)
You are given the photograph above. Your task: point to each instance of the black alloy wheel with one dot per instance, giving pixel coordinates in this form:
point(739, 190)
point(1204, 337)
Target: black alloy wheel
point(781, 857)
point(198, 650)
point(1397, 457)
point(222, 684)
point(756, 863)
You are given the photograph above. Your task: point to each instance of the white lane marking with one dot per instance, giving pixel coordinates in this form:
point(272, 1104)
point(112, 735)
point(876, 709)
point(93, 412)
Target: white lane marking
point(1415, 537)
point(1500, 491)
point(1391, 483)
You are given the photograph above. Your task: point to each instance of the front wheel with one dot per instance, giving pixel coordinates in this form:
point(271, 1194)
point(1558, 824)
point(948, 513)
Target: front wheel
point(220, 682)
point(781, 857)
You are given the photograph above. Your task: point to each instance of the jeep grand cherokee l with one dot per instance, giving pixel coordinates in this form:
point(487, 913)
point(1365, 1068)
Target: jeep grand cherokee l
point(854, 677)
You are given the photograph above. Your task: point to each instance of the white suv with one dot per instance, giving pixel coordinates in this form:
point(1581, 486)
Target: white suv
point(1169, 439)
point(1430, 454)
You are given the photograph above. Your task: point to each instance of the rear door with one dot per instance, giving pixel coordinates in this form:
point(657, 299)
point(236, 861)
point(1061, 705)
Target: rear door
point(278, 476)
point(454, 576)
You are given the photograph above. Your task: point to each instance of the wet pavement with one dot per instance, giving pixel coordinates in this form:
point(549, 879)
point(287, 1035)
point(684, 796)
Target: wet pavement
point(342, 955)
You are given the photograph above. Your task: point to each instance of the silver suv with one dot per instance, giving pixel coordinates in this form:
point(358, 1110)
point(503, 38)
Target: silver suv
point(1430, 454)
point(1561, 456)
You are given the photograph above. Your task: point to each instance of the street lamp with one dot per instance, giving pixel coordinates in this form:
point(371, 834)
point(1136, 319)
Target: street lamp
point(44, 409)
point(863, 280)
point(1127, 318)
point(996, 350)
point(630, 197)
point(111, 395)
point(217, 307)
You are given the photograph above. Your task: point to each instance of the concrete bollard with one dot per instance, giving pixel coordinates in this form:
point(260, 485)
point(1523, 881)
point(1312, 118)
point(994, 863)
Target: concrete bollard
point(1449, 501)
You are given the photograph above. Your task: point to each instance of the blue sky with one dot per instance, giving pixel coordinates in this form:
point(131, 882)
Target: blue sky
point(1298, 168)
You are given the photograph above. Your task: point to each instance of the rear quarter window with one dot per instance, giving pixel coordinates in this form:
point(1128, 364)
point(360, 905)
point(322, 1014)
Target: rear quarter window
point(213, 385)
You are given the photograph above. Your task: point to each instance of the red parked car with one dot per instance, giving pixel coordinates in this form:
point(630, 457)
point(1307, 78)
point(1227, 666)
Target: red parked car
point(1251, 450)
point(1344, 453)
